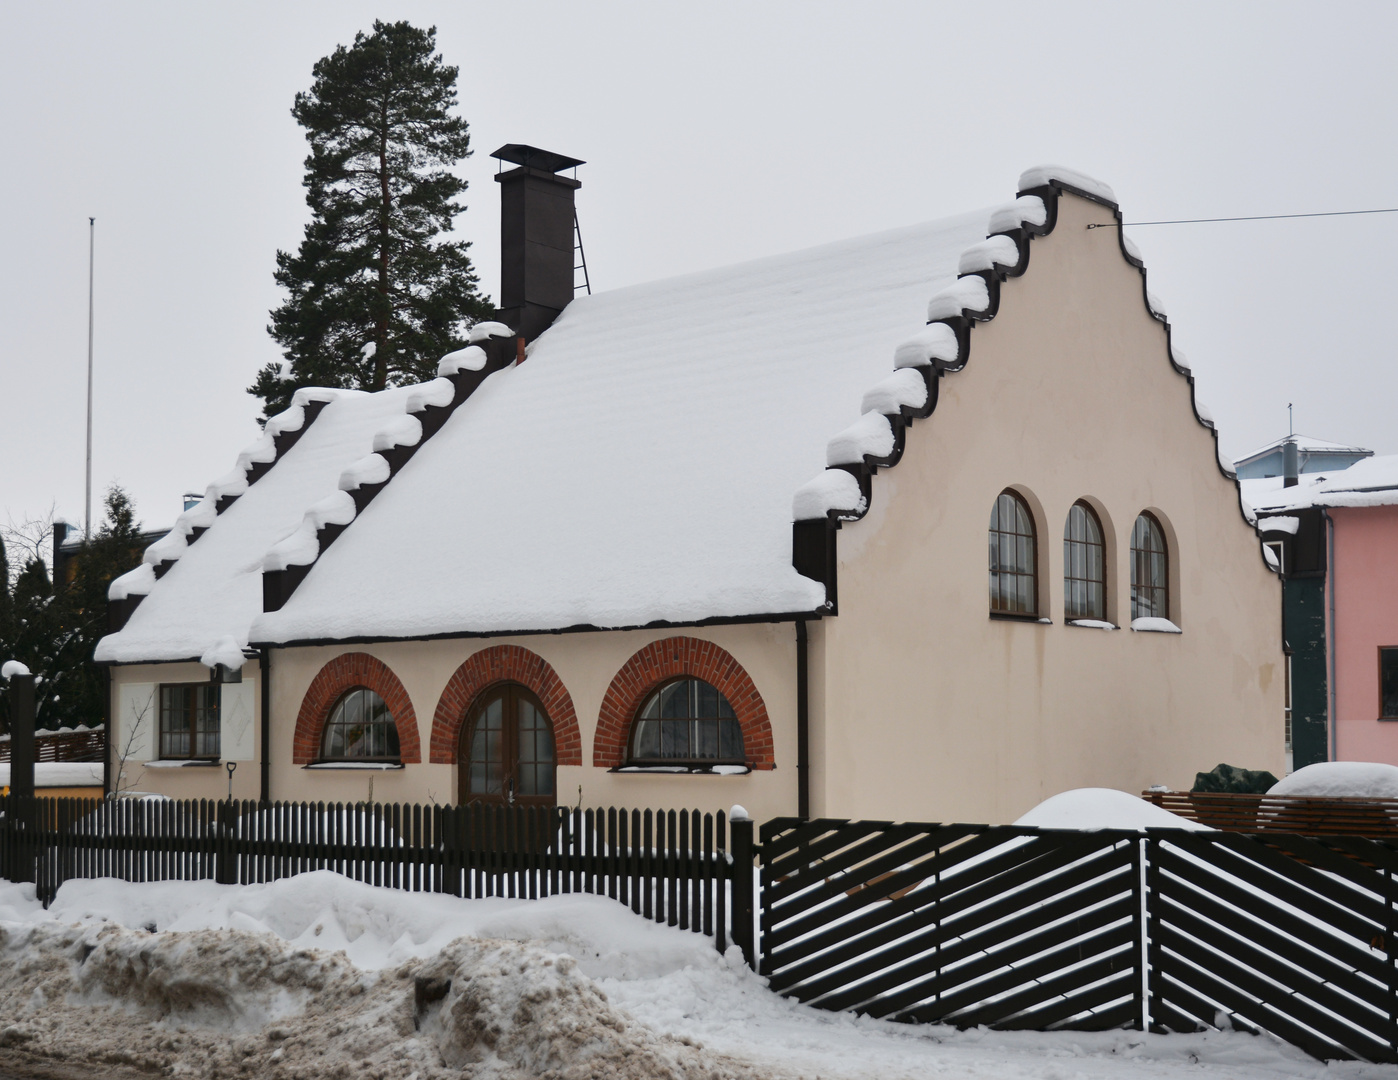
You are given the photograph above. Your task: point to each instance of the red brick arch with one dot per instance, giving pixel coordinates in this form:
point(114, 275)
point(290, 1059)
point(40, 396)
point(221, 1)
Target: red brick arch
point(666, 659)
point(497, 664)
point(344, 673)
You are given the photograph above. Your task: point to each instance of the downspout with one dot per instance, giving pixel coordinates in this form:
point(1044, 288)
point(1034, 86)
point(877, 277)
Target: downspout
point(264, 668)
point(1334, 631)
point(110, 733)
point(803, 726)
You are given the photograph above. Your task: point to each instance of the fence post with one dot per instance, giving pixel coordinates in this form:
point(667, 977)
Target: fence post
point(225, 859)
point(1154, 980)
point(743, 929)
point(23, 805)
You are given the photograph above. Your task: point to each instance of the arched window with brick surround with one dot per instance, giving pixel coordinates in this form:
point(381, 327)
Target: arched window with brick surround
point(688, 665)
point(465, 703)
point(340, 702)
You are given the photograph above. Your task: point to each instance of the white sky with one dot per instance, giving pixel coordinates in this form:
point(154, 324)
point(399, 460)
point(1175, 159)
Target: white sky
point(714, 133)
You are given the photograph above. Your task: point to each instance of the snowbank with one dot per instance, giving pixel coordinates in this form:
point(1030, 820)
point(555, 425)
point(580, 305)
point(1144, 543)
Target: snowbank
point(1329, 779)
point(1103, 808)
point(59, 774)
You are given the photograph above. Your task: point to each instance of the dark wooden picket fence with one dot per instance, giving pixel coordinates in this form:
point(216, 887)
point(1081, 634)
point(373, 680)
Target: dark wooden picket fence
point(669, 866)
point(1034, 929)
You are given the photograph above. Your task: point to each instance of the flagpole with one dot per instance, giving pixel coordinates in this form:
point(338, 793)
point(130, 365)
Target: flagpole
point(91, 244)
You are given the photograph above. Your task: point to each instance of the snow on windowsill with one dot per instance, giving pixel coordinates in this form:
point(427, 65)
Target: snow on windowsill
point(183, 763)
point(1093, 624)
point(701, 770)
point(380, 765)
point(1154, 625)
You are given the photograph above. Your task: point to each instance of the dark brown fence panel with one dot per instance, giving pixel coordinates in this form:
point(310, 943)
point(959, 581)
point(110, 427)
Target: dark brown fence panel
point(1283, 934)
point(469, 851)
point(955, 924)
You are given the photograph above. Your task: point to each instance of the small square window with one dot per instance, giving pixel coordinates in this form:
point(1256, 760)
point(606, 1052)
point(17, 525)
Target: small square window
point(189, 725)
point(1388, 684)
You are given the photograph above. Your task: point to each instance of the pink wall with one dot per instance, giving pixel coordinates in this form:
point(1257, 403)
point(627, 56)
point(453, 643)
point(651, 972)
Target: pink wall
point(1364, 575)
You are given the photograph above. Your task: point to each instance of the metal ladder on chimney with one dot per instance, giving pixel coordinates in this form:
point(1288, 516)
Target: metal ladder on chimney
point(581, 263)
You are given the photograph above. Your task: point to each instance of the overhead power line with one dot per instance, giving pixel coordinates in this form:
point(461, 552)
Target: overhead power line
point(1250, 217)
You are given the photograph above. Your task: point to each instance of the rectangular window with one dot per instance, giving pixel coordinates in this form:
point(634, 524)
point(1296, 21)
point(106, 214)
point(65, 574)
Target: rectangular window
point(189, 721)
point(1388, 684)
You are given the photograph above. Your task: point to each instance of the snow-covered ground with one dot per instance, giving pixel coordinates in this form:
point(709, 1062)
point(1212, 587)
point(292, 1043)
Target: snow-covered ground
point(318, 976)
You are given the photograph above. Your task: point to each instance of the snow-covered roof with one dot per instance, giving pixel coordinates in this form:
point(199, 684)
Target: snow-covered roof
point(640, 465)
point(1371, 482)
point(1305, 444)
point(643, 465)
point(213, 590)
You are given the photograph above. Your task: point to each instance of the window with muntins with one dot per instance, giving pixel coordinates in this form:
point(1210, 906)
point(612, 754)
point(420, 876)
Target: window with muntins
point(189, 721)
point(1014, 586)
point(1084, 565)
point(508, 750)
point(360, 728)
point(687, 722)
point(1388, 684)
point(1150, 570)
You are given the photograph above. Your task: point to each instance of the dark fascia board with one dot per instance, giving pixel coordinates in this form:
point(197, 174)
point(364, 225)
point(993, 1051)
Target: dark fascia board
point(119, 612)
point(579, 628)
point(962, 326)
point(501, 351)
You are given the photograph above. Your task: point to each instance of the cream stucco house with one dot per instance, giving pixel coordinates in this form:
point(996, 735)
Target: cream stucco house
point(924, 525)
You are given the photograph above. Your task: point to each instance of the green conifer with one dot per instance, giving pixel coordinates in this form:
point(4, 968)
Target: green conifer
point(375, 296)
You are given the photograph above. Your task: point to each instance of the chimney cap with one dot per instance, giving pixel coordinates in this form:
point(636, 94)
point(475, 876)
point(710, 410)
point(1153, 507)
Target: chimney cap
point(534, 158)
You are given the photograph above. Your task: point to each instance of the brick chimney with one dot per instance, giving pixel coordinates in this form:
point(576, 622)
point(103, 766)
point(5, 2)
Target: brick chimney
point(536, 238)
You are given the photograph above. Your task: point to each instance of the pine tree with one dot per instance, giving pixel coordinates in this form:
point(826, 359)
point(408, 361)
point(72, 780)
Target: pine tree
point(375, 296)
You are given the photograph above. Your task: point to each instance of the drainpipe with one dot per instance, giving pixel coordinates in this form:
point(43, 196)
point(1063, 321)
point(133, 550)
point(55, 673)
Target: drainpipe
point(803, 726)
point(1334, 631)
point(264, 668)
point(110, 733)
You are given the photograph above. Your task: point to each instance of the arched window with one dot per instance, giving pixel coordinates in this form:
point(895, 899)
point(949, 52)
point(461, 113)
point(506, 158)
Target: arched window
point(507, 753)
point(360, 728)
point(1150, 570)
point(1014, 586)
point(686, 722)
point(1084, 565)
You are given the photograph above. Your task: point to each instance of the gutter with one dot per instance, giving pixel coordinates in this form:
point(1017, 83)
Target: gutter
point(803, 725)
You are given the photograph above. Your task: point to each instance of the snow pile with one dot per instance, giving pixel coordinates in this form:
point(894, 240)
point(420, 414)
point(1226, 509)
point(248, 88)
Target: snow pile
point(242, 1002)
point(1103, 808)
point(1351, 779)
point(11, 668)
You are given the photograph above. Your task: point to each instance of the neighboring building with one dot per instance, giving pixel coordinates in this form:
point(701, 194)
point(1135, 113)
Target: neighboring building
point(1334, 536)
point(592, 566)
point(1313, 456)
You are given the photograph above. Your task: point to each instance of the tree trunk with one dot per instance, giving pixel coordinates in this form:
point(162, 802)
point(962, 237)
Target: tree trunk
point(385, 205)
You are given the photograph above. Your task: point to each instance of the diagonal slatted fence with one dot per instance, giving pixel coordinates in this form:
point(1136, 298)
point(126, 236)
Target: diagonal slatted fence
point(1284, 934)
point(1044, 929)
point(964, 924)
point(669, 866)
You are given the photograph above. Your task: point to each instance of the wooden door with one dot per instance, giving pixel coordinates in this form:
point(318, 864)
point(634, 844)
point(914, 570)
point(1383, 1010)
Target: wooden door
point(506, 755)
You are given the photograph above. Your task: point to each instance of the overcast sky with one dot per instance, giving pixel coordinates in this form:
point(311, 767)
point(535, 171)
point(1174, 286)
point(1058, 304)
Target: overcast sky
point(713, 133)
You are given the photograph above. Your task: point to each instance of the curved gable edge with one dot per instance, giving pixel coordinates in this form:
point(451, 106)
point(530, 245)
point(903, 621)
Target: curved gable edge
point(814, 546)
